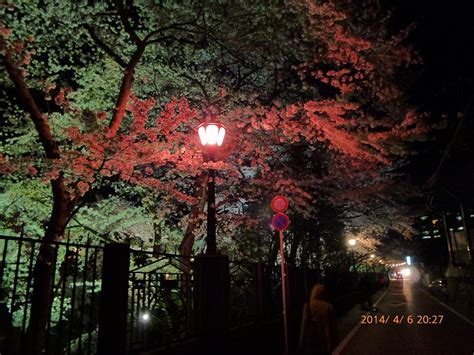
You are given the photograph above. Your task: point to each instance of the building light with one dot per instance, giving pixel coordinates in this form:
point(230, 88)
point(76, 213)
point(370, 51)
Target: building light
point(435, 230)
point(434, 221)
point(460, 228)
point(424, 218)
point(437, 236)
point(426, 237)
point(459, 218)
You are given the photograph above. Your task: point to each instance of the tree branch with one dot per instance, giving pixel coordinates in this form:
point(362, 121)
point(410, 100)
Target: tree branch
point(39, 119)
point(174, 26)
point(201, 86)
point(126, 24)
point(105, 47)
point(125, 91)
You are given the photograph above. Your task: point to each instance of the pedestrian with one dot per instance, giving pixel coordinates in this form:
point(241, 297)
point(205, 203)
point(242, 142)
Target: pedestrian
point(318, 334)
point(366, 294)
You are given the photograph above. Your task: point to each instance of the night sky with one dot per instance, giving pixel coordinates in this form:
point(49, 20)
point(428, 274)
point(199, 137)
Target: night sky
point(444, 84)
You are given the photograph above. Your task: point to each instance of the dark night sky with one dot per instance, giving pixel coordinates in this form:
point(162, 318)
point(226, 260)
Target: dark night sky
point(444, 84)
point(444, 36)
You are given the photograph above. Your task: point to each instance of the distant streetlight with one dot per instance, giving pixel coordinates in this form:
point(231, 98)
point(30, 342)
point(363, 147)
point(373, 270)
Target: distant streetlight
point(211, 135)
point(405, 272)
point(352, 242)
point(145, 317)
point(372, 256)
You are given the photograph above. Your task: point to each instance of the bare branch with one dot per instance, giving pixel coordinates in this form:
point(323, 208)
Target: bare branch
point(174, 26)
point(126, 24)
point(105, 47)
point(201, 86)
point(39, 119)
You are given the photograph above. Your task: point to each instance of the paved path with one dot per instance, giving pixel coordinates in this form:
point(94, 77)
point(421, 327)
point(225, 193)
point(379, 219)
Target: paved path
point(390, 331)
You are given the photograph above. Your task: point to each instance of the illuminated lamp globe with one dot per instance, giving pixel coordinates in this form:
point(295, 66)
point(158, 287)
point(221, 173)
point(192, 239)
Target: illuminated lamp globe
point(211, 133)
point(352, 242)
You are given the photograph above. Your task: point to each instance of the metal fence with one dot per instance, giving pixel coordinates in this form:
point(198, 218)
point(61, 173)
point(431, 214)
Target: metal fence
point(242, 293)
point(160, 299)
point(159, 295)
point(73, 320)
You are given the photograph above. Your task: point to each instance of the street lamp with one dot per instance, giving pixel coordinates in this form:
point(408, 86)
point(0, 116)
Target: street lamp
point(212, 136)
point(351, 243)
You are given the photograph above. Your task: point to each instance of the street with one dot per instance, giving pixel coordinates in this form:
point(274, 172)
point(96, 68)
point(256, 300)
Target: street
point(409, 321)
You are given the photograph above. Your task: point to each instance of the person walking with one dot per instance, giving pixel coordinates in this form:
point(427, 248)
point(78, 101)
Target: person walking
point(318, 333)
point(365, 294)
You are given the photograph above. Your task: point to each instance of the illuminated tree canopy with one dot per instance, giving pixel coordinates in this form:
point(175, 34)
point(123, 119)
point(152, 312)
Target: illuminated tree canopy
point(100, 101)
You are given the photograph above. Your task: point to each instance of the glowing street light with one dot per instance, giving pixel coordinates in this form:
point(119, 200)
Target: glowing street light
point(211, 135)
point(145, 317)
point(352, 242)
point(372, 256)
point(406, 272)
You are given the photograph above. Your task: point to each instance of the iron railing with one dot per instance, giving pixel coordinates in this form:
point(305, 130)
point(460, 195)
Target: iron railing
point(73, 317)
point(160, 299)
point(242, 293)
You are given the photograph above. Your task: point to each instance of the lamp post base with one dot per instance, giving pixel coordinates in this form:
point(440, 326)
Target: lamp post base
point(211, 295)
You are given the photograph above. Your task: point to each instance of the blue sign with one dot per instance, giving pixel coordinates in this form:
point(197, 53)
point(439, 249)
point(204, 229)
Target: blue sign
point(280, 221)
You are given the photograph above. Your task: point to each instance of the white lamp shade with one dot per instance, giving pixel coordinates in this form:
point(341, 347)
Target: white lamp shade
point(211, 134)
point(220, 136)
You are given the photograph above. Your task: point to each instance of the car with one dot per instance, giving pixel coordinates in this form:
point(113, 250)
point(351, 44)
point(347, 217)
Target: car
point(439, 288)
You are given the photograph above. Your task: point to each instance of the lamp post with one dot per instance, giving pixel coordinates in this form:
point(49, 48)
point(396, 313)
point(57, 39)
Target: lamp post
point(352, 242)
point(211, 287)
point(211, 135)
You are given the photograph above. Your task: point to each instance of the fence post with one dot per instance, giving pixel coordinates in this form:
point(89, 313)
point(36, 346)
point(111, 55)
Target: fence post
point(113, 300)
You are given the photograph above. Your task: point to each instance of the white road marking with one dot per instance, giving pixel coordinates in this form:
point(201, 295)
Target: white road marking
point(354, 330)
point(449, 308)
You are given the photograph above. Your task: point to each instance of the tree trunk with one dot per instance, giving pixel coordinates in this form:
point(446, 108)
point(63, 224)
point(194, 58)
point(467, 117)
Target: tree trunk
point(63, 203)
point(275, 248)
point(45, 268)
point(186, 246)
point(295, 243)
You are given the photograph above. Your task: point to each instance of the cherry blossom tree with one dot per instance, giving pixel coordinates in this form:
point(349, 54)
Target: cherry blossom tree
point(307, 91)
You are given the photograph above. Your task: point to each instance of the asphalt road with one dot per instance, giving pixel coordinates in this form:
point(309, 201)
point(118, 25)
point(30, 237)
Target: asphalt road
point(409, 321)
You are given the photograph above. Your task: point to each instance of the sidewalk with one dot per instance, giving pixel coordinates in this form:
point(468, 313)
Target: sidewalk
point(465, 309)
point(346, 322)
